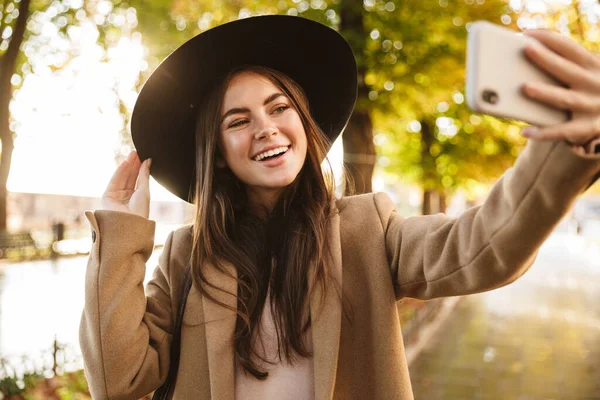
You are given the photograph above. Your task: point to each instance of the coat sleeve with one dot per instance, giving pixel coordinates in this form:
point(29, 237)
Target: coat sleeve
point(125, 334)
point(491, 245)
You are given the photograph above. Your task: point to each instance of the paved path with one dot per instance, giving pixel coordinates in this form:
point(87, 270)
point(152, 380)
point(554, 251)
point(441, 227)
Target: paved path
point(538, 338)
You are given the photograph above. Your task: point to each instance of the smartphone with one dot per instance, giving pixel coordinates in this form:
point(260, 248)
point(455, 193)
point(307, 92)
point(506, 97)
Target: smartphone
point(497, 68)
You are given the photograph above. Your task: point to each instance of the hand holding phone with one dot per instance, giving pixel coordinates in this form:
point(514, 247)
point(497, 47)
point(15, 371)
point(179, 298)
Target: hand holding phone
point(540, 77)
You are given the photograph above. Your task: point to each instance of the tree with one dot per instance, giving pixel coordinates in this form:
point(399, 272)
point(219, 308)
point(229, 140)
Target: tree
point(411, 59)
point(417, 73)
point(13, 34)
point(359, 149)
point(27, 28)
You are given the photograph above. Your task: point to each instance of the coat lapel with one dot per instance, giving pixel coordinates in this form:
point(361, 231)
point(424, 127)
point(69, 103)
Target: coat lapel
point(220, 328)
point(326, 317)
point(326, 324)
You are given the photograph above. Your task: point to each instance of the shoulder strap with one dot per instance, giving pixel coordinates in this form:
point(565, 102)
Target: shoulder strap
point(162, 393)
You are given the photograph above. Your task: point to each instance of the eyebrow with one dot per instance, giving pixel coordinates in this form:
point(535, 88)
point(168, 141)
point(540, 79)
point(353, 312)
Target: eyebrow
point(240, 110)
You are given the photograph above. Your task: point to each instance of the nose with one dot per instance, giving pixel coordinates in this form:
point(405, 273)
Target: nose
point(265, 130)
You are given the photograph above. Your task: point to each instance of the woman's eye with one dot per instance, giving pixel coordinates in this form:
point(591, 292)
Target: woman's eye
point(238, 123)
point(281, 109)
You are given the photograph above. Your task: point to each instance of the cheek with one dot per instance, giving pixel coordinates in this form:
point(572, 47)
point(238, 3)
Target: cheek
point(302, 138)
point(304, 149)
point(233, 147)
point(298, 129)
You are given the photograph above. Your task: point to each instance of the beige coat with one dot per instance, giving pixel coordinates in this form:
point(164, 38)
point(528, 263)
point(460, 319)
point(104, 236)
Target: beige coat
point(378, 256)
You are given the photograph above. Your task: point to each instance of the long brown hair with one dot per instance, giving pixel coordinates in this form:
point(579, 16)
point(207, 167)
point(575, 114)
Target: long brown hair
point(292, 238)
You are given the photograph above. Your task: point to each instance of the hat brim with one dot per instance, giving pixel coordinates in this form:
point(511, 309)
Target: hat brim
point(314, 55)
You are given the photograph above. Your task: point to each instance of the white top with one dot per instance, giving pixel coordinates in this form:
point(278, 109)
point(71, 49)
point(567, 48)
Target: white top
point(284, 381)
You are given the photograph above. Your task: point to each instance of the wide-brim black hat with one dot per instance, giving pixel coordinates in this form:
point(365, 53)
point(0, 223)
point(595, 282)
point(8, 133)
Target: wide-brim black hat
point(164, 117)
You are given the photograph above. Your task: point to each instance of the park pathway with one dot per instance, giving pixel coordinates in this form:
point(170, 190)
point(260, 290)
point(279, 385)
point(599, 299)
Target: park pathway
point(538, 338)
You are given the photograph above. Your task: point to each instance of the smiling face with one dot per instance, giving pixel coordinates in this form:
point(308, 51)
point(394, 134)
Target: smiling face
point(262, 138)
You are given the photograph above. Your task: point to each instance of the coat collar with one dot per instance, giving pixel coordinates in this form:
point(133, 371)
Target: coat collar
point(326, 317)
point(326, 324)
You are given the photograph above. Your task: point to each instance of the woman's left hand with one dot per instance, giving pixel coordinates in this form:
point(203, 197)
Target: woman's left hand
point(579, 69)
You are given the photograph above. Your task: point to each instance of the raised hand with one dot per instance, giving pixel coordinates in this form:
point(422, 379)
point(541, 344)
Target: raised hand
point(128, 190)
point(577, 68)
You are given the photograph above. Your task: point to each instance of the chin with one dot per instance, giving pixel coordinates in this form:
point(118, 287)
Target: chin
point(280, 182)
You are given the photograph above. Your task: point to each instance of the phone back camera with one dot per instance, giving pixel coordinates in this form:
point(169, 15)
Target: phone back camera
point(490, 96)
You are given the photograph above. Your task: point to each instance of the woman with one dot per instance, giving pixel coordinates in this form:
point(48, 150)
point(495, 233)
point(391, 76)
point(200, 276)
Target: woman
point(294, 291)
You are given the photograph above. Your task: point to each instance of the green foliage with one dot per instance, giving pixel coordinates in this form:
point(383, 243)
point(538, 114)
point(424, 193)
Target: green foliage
point(25, 377)
point(9, 386)
point(412, 54)
point(31, 379)
point(74, 386)
point(40, 11)
point(476, 153)
point(416, 76)
point(12, 384)
point(166, 24)
point(39, 51)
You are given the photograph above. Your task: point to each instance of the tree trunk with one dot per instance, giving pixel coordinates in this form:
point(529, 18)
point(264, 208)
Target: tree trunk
point(359, 150)
point(434, 201)
point(442, 197)
point(426, 206)
point(7, 68)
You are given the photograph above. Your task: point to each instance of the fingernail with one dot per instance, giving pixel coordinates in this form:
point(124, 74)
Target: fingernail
point(529, 132)
point(149, 162)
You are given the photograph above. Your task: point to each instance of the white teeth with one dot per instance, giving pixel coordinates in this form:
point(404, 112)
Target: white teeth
point(270, 153)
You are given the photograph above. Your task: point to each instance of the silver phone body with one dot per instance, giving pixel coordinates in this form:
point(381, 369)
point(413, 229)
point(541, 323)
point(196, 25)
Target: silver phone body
point(497, 68)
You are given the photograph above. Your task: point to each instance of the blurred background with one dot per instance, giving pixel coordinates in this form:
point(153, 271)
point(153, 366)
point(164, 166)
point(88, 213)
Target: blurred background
point(70, 72)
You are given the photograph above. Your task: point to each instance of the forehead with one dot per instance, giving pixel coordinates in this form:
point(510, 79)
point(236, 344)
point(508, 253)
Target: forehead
point(247, 86)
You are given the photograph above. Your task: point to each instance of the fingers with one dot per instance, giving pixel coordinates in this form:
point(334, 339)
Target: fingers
point(578, 68)
point(143, 178)
point(561, 68)
point(579, 131)
point(563, 98)
point(133, 172)
point(565, 46)
point(119, 179)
